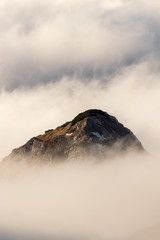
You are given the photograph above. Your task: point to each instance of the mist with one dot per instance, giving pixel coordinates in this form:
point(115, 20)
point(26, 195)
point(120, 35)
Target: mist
point(115, 199)
point(59, 58)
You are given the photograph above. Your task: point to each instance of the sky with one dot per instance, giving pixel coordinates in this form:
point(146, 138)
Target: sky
point(59, 58)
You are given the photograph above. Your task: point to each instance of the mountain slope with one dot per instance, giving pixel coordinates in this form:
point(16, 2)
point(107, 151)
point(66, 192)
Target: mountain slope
point(92, 132)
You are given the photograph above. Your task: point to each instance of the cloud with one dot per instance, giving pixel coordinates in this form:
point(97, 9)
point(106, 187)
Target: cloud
point(59, 58)
point(112, 200)
point(42, 42)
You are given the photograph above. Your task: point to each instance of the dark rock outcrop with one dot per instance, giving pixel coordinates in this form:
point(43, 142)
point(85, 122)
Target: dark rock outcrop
point(92, 132)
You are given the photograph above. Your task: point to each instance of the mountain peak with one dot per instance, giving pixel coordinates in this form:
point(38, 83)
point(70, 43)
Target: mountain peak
point(88, 113)
point(92, 132)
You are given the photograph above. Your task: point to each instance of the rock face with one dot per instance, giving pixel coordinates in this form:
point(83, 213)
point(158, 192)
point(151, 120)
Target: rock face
point(93, 132)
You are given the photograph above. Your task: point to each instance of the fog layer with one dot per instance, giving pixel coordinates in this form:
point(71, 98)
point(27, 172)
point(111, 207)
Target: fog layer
point(116, 199)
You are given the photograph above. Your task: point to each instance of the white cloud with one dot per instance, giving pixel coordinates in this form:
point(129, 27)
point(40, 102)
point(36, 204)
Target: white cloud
point(44, 41)
point(113, 200)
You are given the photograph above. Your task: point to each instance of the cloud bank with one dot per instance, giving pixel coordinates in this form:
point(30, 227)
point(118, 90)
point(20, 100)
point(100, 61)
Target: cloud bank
point(43, 42)
point(115, 200)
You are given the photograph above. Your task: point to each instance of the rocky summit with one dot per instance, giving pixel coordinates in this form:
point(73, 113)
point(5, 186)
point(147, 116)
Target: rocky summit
point(91, 133)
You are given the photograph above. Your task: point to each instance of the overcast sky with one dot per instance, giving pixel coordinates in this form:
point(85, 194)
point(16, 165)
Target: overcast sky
point(43, 41)
point(62, 57)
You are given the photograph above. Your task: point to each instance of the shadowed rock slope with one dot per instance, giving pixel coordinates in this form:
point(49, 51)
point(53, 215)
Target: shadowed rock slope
point(91, 133)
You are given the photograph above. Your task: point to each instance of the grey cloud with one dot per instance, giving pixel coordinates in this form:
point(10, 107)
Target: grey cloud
point(42, 42)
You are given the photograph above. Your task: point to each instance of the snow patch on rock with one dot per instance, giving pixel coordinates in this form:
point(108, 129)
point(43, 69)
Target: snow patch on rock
point(101, 138)
point(68, 134)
